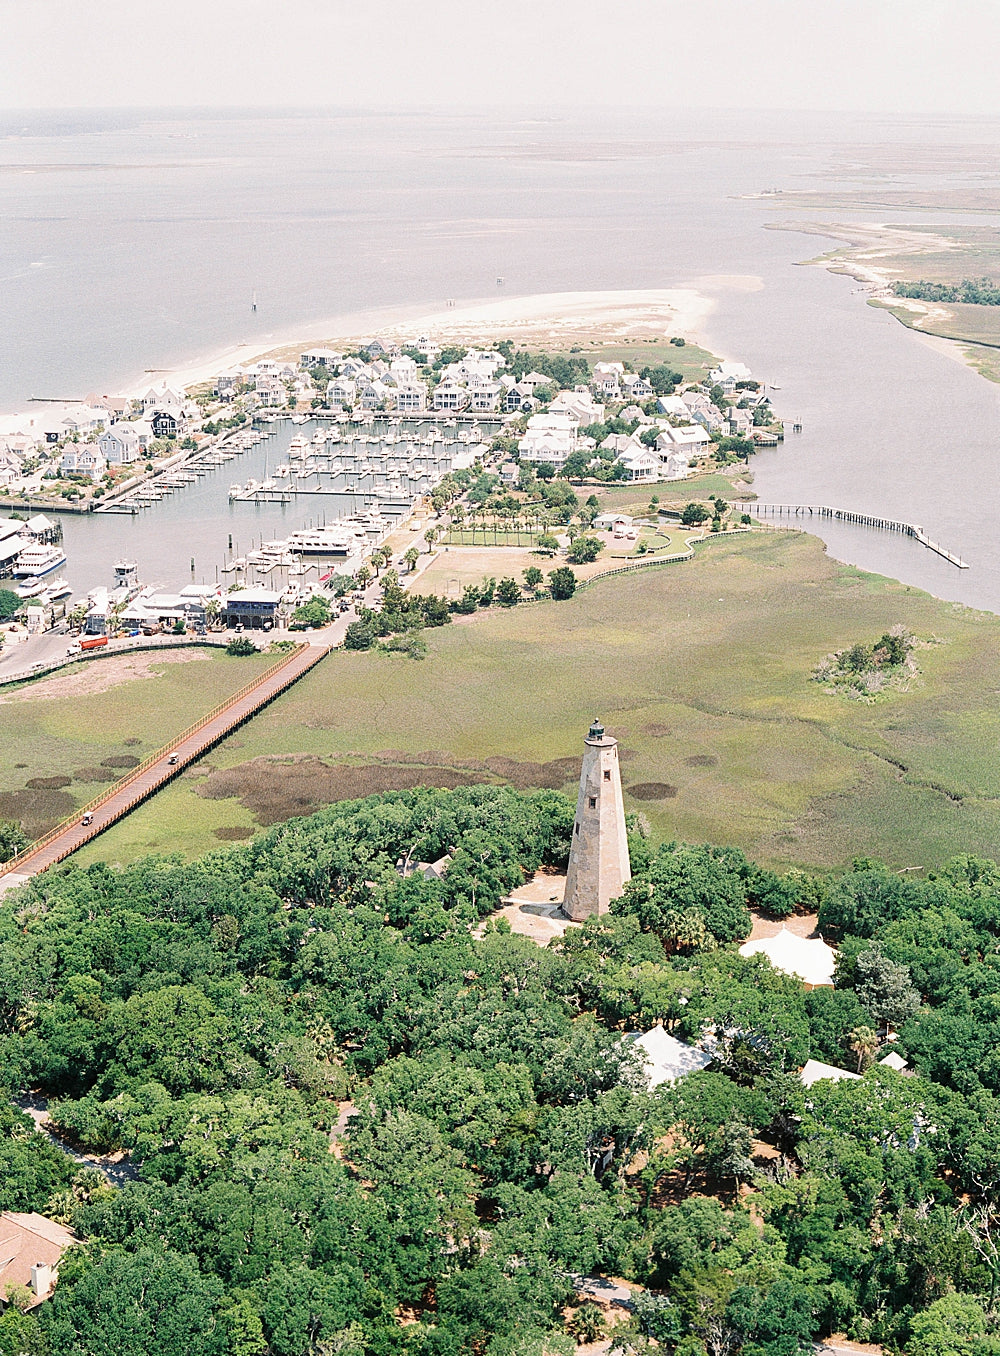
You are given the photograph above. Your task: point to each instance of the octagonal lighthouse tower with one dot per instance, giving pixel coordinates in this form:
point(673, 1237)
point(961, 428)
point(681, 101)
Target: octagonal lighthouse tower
point(598, 857)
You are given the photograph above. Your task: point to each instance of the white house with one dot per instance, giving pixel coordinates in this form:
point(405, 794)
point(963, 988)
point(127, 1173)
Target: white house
point(674, 464)
point(636, 387)
point(270, 389)
point(727, 375)
point(341, 391)
point(120, 445)
point(154, 399)
point(485, 398)
point(581, 404)
point(10, 467)
point(85, 419)
point(449, 396)
point(643, 463)
point(411, 397)
point(320, 357)
point(814, 1070)
point(607, 380)
point(403, 370)
point(549, 437)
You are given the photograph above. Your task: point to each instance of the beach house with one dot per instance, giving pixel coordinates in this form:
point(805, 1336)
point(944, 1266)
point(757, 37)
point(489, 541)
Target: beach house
point(120, 445)
point(549, 437)
point(84, 459)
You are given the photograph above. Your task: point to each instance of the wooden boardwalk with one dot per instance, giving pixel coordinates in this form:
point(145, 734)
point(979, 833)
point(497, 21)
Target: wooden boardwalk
point(157, 770)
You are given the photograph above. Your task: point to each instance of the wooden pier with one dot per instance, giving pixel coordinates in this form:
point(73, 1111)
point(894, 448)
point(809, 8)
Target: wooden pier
point(849, 516)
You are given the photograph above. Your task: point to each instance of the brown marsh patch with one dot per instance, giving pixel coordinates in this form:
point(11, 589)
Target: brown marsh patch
point(233, 833)
point(124, 760)
point(55, 783)
point(701, 760)
point(652, 791)
point(655, 730)
point(274, 790)
point(95, 774)
point(37, 810)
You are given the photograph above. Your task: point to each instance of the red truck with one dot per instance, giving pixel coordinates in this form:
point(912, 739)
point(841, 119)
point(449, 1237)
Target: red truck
point(93, 643)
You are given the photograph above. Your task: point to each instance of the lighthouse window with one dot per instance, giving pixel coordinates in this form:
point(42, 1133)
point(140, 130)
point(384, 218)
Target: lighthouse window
point(593, 802)
point(607, 774)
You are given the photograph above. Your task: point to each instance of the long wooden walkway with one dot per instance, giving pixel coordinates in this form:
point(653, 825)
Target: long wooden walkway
point(759, 510)
point(157, 770)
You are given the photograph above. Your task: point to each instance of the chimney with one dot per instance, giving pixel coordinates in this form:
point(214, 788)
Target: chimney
point(598, 856)
point(42, 1279)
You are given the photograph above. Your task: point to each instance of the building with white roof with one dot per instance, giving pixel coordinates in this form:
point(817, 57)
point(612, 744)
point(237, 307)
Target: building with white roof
point(806, 958)
point(814, 1071)
point(666, 1058)
point(550, 437)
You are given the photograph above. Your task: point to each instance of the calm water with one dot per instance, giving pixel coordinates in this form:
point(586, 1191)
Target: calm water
point(136, 242)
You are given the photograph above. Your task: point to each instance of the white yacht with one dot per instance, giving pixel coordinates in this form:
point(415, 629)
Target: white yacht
point(339, 539)
point(37, 560)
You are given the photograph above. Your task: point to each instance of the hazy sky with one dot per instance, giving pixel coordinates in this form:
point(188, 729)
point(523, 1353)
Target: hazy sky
point(929, 56)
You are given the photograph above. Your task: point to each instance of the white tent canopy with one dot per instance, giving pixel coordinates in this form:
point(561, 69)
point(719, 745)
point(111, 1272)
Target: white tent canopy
point(667, 1058)
point(805, 958)
point(814, 1070)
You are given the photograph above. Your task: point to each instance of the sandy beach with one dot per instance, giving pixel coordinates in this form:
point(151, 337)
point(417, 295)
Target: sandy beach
point(560, 317)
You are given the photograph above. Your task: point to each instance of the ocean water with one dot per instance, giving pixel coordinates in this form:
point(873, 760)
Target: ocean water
point(134, 242)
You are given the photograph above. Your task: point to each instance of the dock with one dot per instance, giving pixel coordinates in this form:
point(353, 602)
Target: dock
point(918, 534)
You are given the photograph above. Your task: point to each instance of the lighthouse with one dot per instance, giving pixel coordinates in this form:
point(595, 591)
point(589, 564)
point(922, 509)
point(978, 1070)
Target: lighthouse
point(598, 856)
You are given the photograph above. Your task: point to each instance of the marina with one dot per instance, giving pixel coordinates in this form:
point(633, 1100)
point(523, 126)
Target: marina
point(198, 522)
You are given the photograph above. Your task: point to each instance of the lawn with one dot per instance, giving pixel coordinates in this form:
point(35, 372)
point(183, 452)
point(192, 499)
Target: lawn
point(62, 730)
point(703, 671)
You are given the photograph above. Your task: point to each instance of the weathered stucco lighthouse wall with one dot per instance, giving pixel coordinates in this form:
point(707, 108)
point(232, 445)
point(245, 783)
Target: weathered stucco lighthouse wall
point(598, 858)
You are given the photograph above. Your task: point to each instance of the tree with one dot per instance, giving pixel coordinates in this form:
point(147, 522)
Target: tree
point(241, 646)
point(507, 593)
point(584, 550)
point(954, 1325)
point(562, 583)
point(546, 542)
point(359, 636)
point(411, 557)
point(587, 1324)
point(316, 612)
point(13, 839)
point(863, 1042)
point(363, 576)
point(884, 988)
point(9, 604)
point(693, 514)
point(532, 577)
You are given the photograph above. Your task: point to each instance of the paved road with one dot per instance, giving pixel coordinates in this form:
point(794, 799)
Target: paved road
point(156, 772)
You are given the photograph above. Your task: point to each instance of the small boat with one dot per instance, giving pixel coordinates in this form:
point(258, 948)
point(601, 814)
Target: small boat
point(59, 588)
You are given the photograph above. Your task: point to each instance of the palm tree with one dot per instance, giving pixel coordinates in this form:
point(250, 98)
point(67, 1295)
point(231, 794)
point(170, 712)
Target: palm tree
point(863, 1042)
point(411, 557)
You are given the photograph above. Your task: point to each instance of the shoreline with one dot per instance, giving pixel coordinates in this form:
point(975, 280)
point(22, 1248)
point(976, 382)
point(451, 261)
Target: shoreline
point(612, 314)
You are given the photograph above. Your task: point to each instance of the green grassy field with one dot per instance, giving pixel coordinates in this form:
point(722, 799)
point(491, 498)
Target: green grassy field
point(68, 737)
point(703, 672)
